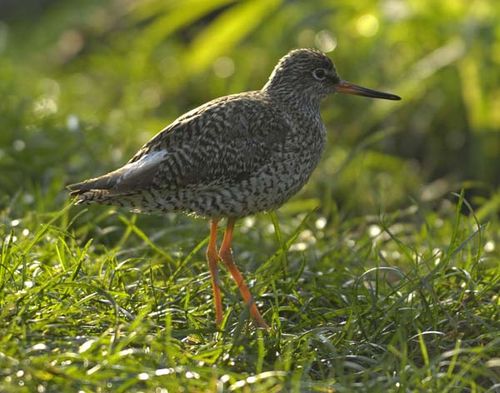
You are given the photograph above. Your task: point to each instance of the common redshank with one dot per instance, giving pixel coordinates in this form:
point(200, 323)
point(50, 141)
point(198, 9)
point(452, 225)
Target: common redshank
point(232, 157)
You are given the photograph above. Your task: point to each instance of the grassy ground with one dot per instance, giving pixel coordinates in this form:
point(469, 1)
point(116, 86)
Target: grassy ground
point(401, 302)
point(375, 278)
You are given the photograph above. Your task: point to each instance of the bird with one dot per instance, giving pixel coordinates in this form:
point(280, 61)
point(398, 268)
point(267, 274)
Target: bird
point(232, 157)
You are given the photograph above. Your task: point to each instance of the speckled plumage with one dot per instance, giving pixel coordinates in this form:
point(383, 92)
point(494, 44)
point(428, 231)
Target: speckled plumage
point(233, 156)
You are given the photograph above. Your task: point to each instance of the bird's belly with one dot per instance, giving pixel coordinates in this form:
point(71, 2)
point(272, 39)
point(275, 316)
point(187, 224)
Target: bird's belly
point(267, 189)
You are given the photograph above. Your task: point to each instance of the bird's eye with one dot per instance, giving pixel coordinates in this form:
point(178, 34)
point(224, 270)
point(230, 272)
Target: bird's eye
point(319, 74)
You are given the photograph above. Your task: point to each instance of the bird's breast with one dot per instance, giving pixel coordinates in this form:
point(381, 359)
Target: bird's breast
point(301, 154)
point(307, 139)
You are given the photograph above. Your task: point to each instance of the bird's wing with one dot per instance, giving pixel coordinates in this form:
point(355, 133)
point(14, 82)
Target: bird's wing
point(132, 176)
point(225, 140)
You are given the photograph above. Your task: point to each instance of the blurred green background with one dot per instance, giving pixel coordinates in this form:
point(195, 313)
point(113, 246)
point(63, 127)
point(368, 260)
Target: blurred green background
point(386, 288)
point(83, 84)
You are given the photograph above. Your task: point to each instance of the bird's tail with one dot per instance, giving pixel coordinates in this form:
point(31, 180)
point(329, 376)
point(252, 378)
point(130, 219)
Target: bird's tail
point(100, 190)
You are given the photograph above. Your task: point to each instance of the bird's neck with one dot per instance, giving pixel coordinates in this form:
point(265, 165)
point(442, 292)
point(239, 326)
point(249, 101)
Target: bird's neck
point(292, 99)
point(304, 114)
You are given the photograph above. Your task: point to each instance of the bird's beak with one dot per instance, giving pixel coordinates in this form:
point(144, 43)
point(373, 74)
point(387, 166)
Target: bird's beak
point(350, 88)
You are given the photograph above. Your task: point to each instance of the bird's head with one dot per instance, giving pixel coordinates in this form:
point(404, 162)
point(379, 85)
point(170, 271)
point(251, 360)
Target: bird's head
point(310, 73)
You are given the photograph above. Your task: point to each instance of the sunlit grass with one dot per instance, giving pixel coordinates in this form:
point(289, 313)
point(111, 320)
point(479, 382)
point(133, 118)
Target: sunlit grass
point(94, 302)
point(375, 278)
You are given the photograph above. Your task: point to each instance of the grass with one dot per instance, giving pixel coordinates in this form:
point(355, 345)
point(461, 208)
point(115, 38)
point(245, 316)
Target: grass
point(99, 300)
point(401, 302)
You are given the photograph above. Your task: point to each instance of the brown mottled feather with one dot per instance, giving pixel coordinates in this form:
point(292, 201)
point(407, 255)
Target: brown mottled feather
point(232, 156)
point(192, 146)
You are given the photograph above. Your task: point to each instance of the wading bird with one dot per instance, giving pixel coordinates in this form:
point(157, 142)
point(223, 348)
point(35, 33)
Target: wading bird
point(232, 157)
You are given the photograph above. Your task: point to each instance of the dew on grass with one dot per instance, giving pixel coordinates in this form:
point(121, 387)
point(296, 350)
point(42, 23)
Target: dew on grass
point(410, 297)
point(307, 236)
point(437, 254)
point(320, 223)
point(192, 375)
point(298, 246)
point(164, 371)
point(94, 369)
point(126, 352)
point(248, 222)
point(29, 284)
point(374, 230)
point(10, 238)
point(35, 265)
point(39, 347)
point(418, 258)
point(143, 377)
point(489, 246)
point(86, 346)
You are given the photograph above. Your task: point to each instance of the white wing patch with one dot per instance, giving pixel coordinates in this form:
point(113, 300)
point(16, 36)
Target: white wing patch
point(143, 164)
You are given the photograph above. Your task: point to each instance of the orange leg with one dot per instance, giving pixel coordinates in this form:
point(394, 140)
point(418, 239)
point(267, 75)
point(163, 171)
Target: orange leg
point(213, 259)
point(227, 257)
